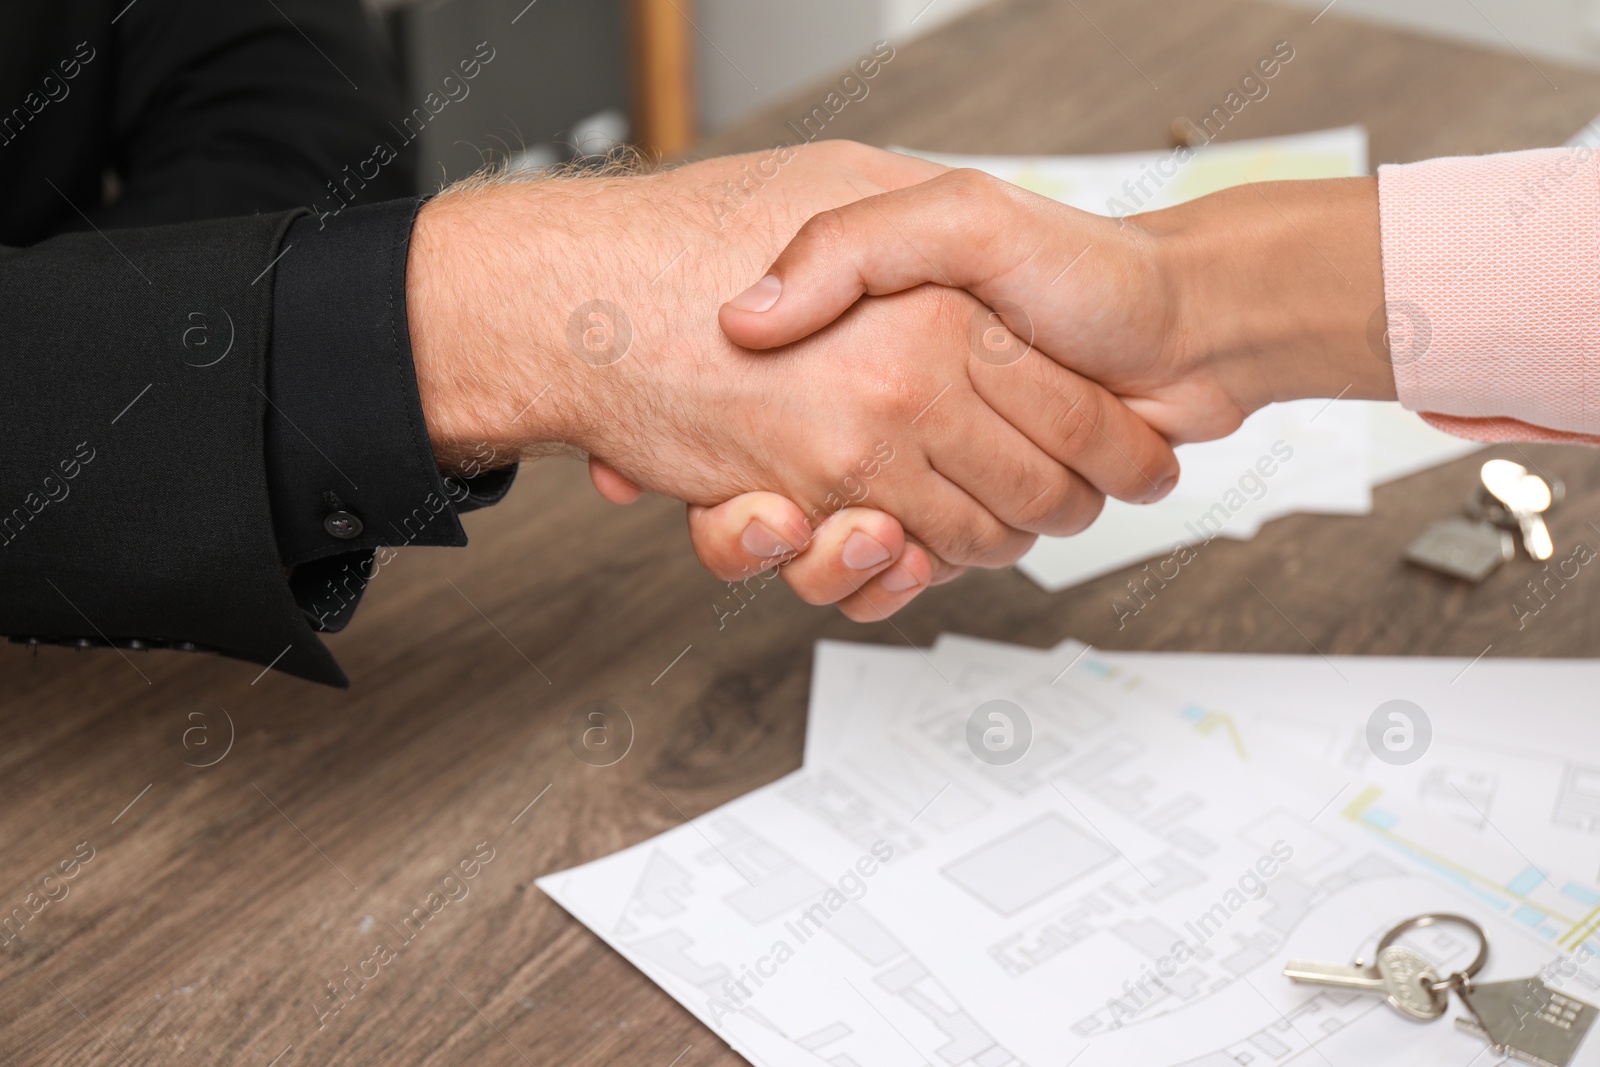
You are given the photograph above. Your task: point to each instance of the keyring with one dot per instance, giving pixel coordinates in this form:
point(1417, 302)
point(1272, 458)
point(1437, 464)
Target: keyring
point(1434, 919)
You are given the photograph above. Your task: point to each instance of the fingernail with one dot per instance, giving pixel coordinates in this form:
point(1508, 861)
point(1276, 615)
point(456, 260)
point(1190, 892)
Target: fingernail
point(862, 552)
point(760, 541)
point(1165, 486)
point(898, 579)
point(760, 296)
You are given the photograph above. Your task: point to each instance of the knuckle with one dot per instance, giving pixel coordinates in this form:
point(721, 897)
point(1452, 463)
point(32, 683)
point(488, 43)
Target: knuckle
point(975, 546)
point(974, 182)
point(952, 538)
point(826, 232)
point(939, 570)
point(1073, 425)
point(981, 542)
point(1008, 547)
point(1047, 506)
point(887, 398)
point(981, 185)
point(980, 192)
point(840, 455)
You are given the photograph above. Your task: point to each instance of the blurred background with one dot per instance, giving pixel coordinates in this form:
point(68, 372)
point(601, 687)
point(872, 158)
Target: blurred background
point(574, 77)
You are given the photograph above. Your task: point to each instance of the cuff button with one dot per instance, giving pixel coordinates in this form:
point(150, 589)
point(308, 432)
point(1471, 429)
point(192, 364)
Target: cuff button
point(343, 525)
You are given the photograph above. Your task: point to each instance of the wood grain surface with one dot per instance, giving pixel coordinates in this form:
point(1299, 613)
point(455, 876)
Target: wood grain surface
point(220, 901)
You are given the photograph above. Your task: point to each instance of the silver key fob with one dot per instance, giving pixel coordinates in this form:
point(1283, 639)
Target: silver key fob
point(1530, 1021)
point(1462, 548)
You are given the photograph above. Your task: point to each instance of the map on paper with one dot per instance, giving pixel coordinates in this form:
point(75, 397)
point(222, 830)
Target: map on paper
point(1125, 893)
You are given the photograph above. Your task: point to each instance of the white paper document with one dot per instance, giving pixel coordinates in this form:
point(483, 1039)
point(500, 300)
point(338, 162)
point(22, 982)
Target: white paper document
point(1129, 182)
point(1308, 455)
point(1128, 891)
point(1340, 450)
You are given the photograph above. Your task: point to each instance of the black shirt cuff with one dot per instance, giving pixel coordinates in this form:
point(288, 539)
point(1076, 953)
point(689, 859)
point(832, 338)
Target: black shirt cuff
point(349, 466)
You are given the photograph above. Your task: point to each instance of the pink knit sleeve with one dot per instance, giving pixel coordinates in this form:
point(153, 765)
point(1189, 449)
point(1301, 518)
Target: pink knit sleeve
point(1491, 273)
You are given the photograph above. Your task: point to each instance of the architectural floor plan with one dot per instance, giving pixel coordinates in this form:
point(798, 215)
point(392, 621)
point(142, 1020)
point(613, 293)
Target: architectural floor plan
point(1125, 892)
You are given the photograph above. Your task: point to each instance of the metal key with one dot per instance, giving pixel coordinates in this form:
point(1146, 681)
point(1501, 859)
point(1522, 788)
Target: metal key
point(1404, 977)
point(1526, 497)
point(1462, 548)
point(1527, 1020)
point(1486, 507)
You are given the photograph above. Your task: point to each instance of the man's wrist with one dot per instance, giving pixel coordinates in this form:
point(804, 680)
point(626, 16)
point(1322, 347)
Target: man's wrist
point(488, 365)
point(1279, 289)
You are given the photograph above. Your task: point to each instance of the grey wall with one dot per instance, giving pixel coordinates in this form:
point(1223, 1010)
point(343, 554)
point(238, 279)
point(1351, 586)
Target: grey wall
point(753, 52)
point(560, 61)
point(564, 60)
point(758, 51)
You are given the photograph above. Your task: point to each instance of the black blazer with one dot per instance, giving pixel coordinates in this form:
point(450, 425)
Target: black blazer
point(134, 503)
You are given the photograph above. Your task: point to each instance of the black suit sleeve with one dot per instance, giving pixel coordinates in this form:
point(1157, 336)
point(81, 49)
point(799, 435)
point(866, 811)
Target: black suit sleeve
point(133, 498)
point(349, 465)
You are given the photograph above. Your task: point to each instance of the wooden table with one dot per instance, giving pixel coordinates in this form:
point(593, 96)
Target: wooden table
point(221, 900)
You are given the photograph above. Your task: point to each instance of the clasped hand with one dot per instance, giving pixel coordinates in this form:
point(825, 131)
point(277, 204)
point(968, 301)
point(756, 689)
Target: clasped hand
point(1188, 320)
point(989, 422)
point(937, 368)
point(966, 440)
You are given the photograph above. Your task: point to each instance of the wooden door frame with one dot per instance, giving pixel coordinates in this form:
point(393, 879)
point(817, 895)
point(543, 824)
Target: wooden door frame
point(663, 76)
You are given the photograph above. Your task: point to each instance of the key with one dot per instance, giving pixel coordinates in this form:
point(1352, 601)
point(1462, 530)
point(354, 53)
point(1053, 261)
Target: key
point(1527, 1020)
point(1401, 975)
point(1516, 497)
point(1526, 497)
point(1534, 497)
point(1486, 507)
point(1462, 548)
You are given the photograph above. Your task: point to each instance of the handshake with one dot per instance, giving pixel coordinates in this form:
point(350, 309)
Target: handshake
point(981, 364)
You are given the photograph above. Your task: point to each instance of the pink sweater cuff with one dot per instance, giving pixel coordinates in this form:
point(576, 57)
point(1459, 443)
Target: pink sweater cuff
point(1491, 272)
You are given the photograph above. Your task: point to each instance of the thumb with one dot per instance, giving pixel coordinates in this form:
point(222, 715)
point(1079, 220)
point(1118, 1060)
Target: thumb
point(814, 280)
point(952, 230)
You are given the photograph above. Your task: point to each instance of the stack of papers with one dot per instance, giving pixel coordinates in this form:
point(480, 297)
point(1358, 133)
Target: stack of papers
point(1116, 868)
point(1339, 450)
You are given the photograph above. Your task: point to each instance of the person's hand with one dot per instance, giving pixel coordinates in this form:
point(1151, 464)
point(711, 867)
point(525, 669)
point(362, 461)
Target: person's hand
point(1155, 307)
point(583, 313)
point(857, 558)
point(835, 563)
point(1196, 316)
